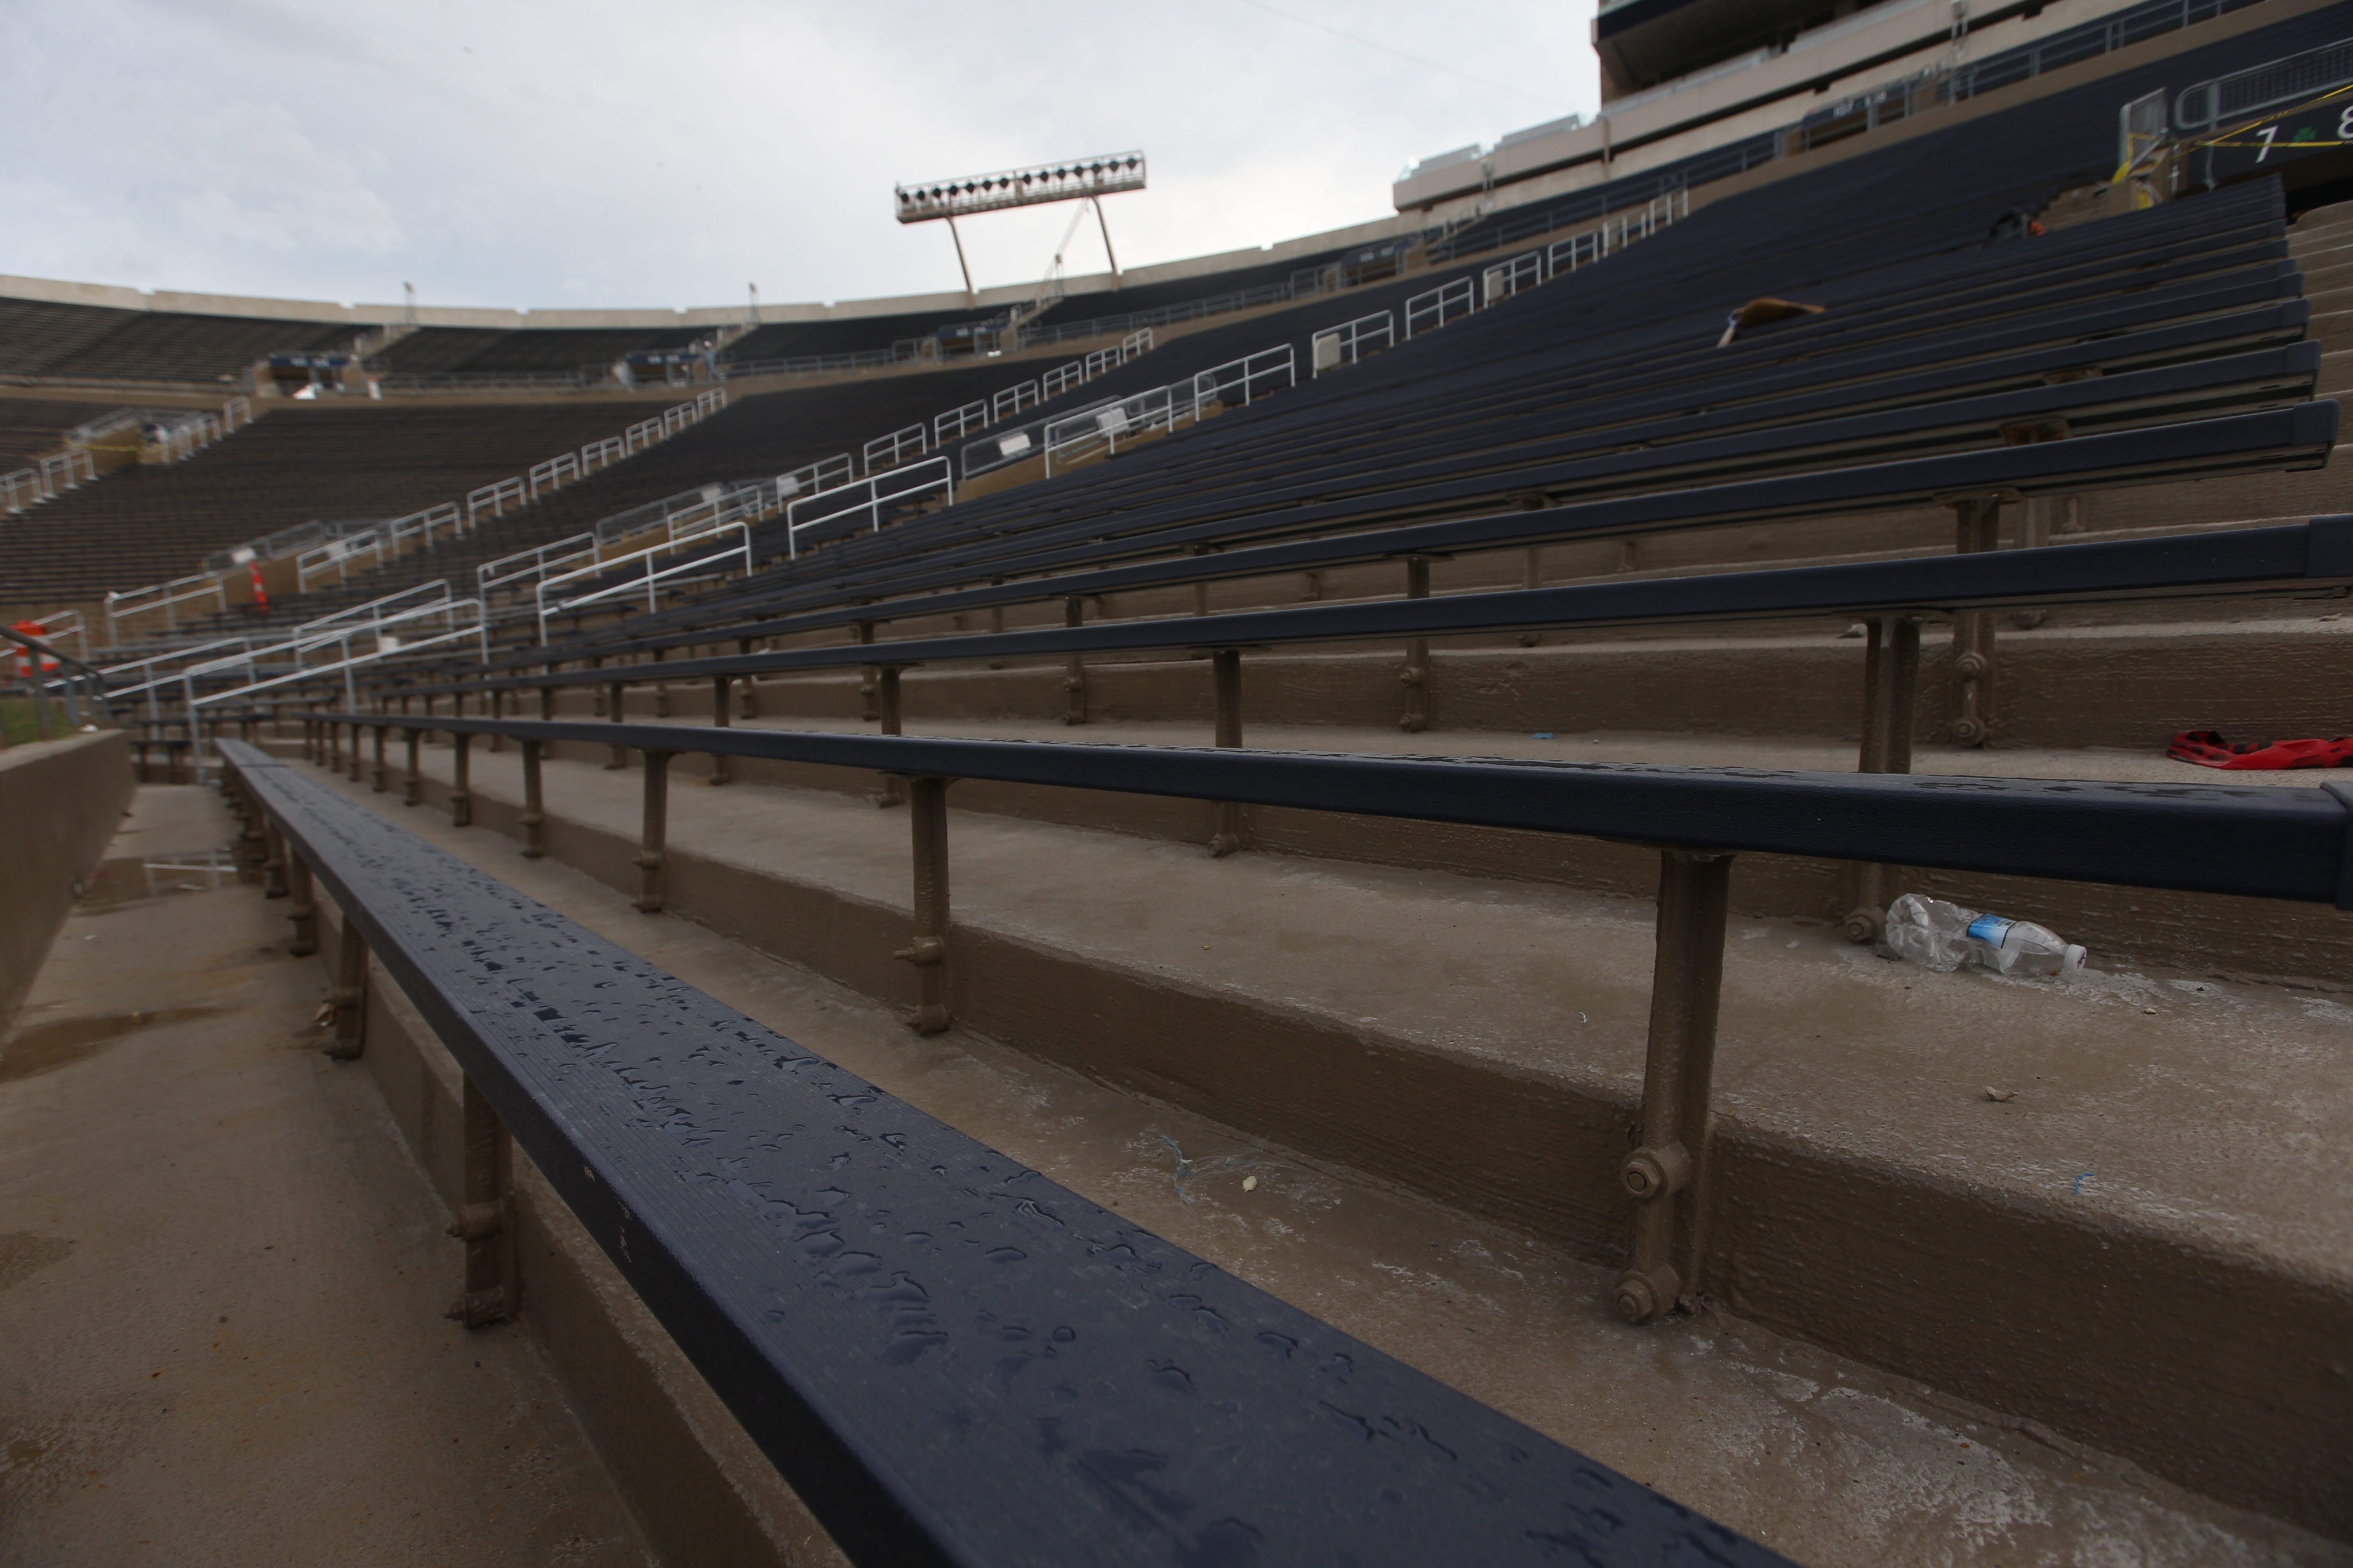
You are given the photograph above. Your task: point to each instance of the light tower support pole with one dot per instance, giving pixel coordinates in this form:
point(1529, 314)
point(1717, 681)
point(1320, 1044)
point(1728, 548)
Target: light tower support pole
point(1097, 204)
point(971, 297)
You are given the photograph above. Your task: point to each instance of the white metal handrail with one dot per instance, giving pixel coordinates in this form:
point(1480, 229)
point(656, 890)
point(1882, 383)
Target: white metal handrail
point(480, 631)
point(538, 559)
point(952, 424)
point(869, 495)
point(650, 581)
point(1101, 430)
point(1351, 340)
point(493, 498)
point(164, 596)
point(897, 447)
point(336, 555)
point(554, 473)
point(1433, 308)
point(22, 489)
point(1507, 278)
point(810, 478)
point(434, 593)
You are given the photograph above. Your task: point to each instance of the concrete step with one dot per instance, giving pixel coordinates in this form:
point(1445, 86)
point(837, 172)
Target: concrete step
point(1478, 1043)
point(1821, 1456)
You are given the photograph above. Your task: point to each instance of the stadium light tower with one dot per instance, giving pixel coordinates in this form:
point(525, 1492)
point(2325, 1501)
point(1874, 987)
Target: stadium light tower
point(1078, 179)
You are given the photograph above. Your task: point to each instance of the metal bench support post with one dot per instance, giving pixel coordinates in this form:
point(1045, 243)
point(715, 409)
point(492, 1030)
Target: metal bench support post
point(652, 846)
point(302, 910)
point(721, 764)
point(749, 691)
point(1226, 832)
point(534, 815)
point(485, 1221)
point(1666, 1174)
point(1976, 526)
point(273, 866)
point(890, 789)
point(1074, 678)
point(928, 801)
point(382, 775)
point(461, 780)
point(869, 688)
point(1415, 676)
point(661, 687)
point(619, 757)
point(1891, 689)
point(413, 789)
point(350, 995)
point(495, 706)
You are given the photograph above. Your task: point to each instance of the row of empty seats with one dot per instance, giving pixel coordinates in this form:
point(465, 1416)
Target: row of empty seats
point(94, 342)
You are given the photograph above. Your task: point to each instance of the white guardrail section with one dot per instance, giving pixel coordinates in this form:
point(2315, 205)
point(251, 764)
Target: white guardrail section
point(1350, 342)
point(868, 495)
point(167, 598)
point(1100, 432)
point(368, 548)
point(386, 648)
point(261, 665)
point(955, 424)
point(620, 581)
point(1451, 301)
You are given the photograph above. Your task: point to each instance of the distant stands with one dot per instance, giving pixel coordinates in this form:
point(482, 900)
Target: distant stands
point(33, 427)
point(290, 467)
point(474, 350)
point(94, 342)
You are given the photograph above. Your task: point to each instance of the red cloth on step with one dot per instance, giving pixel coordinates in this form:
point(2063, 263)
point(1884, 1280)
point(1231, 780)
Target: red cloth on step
point(2208, 749)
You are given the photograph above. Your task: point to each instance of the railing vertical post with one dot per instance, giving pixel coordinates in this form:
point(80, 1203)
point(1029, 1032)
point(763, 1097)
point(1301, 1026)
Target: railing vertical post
point(485, 1221)
point(1226, 832)
point(1074, 679)
point(303, 908)
point(1977, 521)
point(619, 756)
point(381, 776)
point(928, 798)
point(534, 815)
point(1891, 684)
point(1666, 1175)
point(351, 993)
point(1415, 676)
point(721, 769)
point(652, 846)
point(461, 779)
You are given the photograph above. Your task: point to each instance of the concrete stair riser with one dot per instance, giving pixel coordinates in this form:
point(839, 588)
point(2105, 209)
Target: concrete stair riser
point(2055, 1314)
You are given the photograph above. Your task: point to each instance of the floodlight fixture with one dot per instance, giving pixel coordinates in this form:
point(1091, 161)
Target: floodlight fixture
point(1074, 179)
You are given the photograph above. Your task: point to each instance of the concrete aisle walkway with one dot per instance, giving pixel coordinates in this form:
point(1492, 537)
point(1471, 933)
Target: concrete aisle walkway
point(222, 1281)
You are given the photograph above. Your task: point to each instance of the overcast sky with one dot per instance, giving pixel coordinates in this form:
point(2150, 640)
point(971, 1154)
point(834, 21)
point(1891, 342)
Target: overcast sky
point(667, 153)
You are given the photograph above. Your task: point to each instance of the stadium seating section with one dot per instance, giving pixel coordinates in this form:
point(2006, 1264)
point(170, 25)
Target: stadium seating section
point(475, 351)
point(98, 342)
point(33, 428)
point(291, 466)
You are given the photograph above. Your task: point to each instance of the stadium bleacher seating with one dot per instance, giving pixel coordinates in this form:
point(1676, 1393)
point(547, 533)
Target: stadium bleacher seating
point(784, 341)
point(1632, 527)
point(483, 352)
point(292, 466)
point(33, 427)
point(94, 342)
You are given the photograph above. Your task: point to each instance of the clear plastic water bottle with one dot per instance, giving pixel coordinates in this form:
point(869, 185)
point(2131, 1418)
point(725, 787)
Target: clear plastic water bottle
point(1941, 936)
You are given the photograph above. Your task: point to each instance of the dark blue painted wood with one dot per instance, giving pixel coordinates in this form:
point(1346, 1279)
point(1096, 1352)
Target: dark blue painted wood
point(952, 1359)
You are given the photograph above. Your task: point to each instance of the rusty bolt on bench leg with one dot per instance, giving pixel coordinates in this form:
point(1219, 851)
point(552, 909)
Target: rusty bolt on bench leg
point(1891, 686)
point(928, 801)
point(485, 1221)
point(534, 815)
point(1226, 832)
point(1666, 1174)
point(652, 846)
point(350, 995)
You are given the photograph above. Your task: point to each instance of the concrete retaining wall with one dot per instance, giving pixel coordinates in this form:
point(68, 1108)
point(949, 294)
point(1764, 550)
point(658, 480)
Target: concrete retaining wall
point(60, 800)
